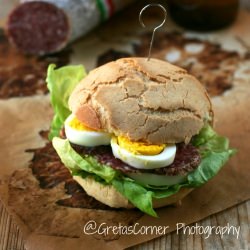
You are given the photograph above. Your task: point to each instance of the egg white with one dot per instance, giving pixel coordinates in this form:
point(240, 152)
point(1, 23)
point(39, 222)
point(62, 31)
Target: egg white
point(84, 137)
point(165, 158)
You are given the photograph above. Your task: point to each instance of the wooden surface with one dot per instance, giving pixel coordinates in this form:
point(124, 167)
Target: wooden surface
point(11, 238)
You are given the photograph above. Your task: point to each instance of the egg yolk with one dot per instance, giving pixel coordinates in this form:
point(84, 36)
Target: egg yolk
point(140, 148)
point(76, 124)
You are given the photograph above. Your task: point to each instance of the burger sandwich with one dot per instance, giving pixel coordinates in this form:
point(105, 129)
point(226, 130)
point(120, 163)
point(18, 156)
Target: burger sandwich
point(135, 133)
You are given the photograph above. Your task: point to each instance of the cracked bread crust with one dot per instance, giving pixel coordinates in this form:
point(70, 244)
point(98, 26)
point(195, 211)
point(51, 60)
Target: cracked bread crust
point(151, 101)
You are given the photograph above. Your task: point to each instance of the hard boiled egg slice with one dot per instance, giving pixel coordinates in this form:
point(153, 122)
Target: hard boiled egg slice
point(163, 159)
point(79, 134)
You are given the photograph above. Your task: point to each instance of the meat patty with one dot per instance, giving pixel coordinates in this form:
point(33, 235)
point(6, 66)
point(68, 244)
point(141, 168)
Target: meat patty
point(187, 159)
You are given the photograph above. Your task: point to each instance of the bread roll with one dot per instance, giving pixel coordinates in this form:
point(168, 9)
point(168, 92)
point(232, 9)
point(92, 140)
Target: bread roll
point(150, 101)
point(108, 195)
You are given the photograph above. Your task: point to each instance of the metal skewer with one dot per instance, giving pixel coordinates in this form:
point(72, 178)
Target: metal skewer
point(157, 27)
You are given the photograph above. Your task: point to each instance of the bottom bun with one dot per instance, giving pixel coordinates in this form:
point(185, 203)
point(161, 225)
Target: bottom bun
point(108, 195)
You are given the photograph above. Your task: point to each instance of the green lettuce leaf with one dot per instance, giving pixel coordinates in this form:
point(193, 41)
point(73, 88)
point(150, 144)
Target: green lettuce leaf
point(214, 150)
point(208, 168)
point(138, 195)
point(61, 83)
point(74, 161)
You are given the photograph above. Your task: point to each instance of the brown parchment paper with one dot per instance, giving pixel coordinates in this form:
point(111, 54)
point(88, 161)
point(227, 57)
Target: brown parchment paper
point(48, 226)
point(22, 119)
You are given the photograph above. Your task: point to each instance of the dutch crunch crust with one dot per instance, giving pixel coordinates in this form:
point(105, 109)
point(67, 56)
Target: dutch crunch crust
point(151, 101)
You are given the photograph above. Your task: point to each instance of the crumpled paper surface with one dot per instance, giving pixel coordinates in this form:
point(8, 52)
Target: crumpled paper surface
point(23, 118)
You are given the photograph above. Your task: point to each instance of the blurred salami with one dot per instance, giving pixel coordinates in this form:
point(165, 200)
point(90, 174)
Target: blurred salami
point(47, 26)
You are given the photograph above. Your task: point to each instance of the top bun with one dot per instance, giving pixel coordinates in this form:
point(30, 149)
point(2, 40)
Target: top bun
point(151, 101)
